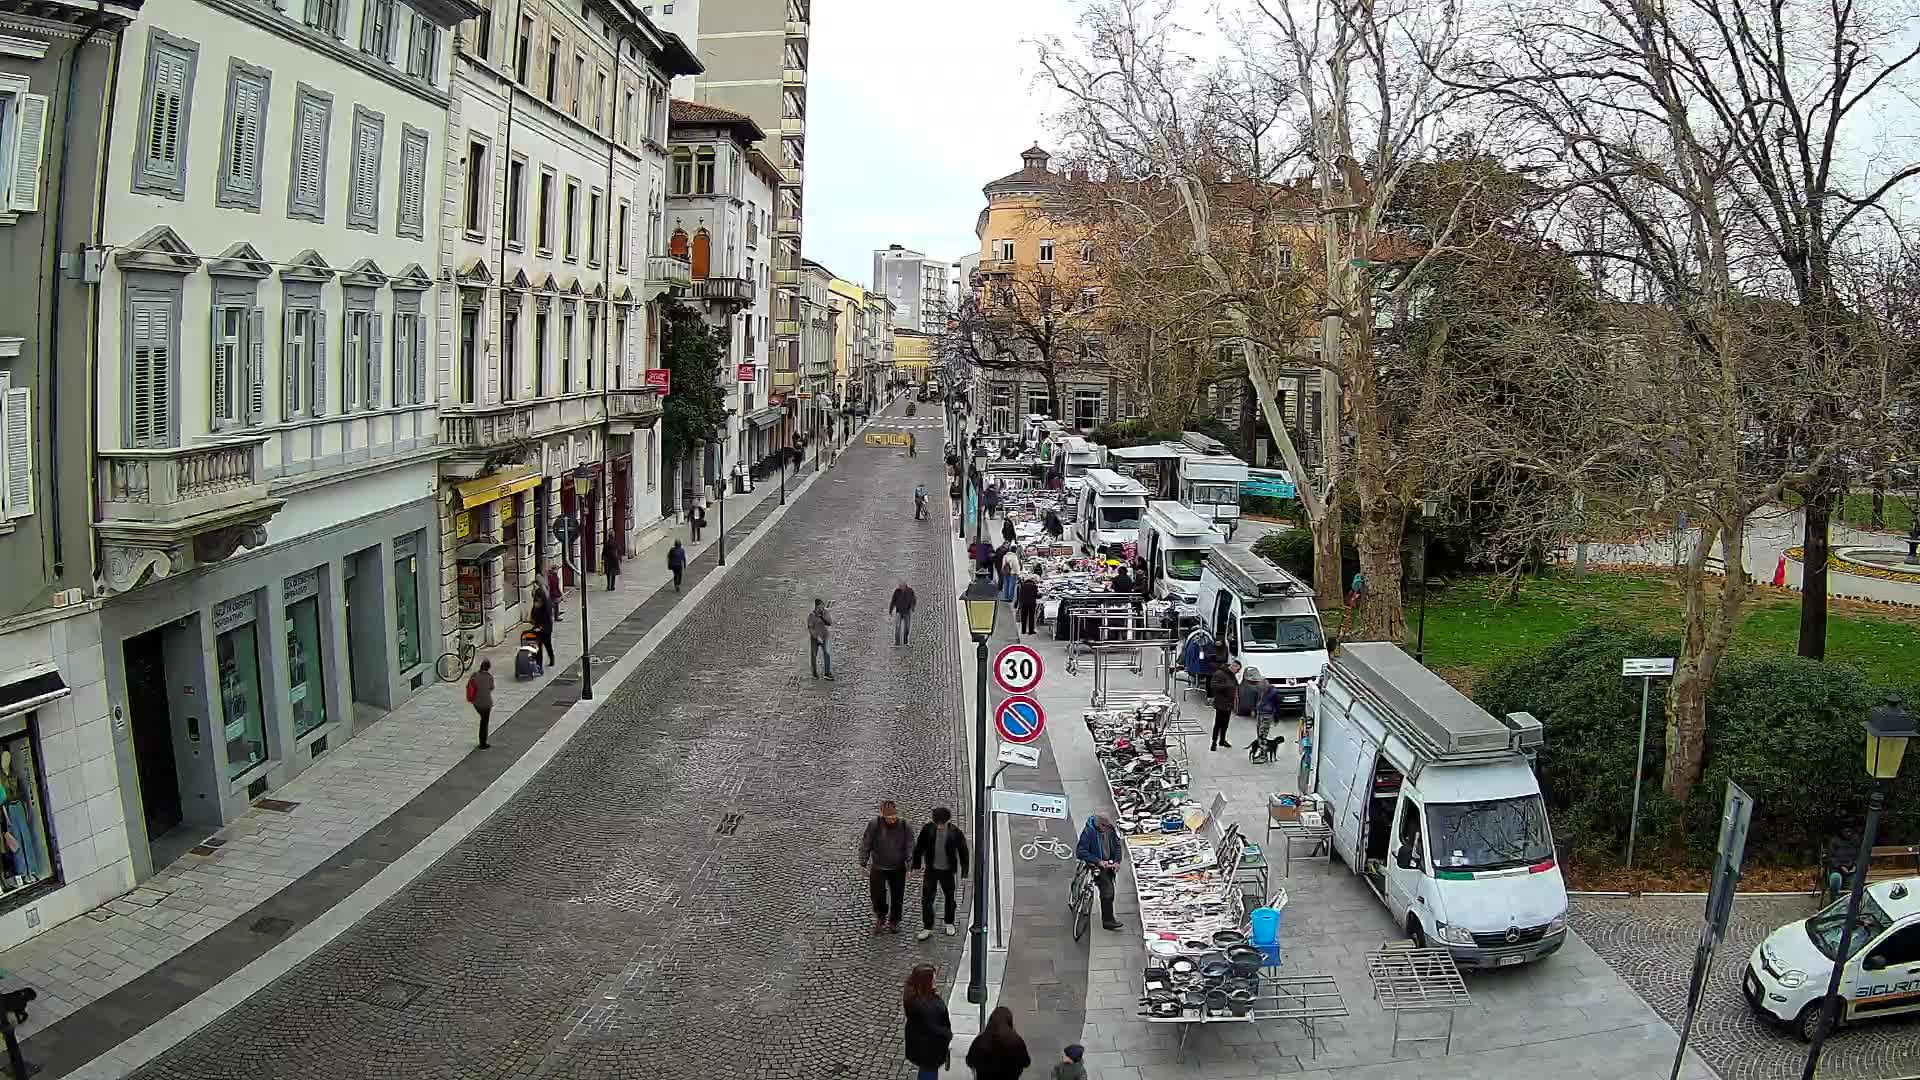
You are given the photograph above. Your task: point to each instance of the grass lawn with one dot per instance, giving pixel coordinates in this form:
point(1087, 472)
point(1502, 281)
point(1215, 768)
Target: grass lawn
point(1467, 633)
point(1858, 509)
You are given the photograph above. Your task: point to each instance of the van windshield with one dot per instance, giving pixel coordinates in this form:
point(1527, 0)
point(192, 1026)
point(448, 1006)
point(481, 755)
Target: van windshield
point(1184, 563)
point(1209, 494)
point(1281, 633)
point(1120, 517)
point(1495, 834)
point(1824, 928)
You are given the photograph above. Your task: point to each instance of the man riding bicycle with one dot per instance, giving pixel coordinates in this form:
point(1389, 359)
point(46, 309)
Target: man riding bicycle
point(919, 501)
point(1100, 850)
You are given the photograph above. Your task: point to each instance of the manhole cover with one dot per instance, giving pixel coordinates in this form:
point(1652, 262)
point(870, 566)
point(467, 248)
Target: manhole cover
point(271, 925)
point(393, 993)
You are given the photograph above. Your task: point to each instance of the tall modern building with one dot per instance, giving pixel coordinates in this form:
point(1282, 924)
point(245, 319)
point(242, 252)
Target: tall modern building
point(917, 286)
point(754, 53)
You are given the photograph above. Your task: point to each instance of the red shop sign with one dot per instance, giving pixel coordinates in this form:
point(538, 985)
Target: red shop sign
point(660, 379)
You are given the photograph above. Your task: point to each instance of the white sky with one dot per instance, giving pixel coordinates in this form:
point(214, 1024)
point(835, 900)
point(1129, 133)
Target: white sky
point(912, 105)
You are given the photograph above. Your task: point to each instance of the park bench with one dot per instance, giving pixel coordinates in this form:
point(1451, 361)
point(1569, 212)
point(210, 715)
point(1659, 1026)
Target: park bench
point(1889, 861)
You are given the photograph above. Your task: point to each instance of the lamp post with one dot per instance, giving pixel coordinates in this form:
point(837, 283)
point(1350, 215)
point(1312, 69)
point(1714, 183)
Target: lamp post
point(1429, 509)
point(1888, 727)
point(723, 477)
point(979, 488)
point(582, 486)
point(982, 601)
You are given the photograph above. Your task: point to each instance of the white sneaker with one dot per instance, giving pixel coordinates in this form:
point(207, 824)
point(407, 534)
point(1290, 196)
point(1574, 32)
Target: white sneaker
point(923, 935)
point(949, 929)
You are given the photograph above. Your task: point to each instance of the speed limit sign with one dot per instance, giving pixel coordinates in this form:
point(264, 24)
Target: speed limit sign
point(1016, 669)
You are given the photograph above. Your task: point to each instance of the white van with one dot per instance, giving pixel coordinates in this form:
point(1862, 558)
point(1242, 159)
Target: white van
point(1076, 455)
point(1787, 975)
point(1208, 478)
point(1110, 509)
point(1175, 542)
point(1266, 616)
point(1435, 805)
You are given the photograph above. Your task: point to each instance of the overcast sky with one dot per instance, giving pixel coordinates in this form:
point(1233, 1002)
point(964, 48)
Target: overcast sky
point(912, 105)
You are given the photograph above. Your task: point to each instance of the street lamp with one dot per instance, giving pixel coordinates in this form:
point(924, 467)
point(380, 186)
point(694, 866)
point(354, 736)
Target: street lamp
point(719, 467)
point(1429, 509)
point(979, 488)
point(582, 486)
point(982, 601)
point(1888, 727)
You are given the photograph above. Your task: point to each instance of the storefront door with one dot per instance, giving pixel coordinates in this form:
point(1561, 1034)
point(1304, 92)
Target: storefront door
point(152, 723)
point(622, 517)
point(566, 510)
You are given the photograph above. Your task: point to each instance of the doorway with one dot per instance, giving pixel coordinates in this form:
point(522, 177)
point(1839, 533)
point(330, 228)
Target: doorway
point(152, 723)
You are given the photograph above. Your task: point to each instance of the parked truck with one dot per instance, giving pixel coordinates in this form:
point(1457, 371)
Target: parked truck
point(1434, 803)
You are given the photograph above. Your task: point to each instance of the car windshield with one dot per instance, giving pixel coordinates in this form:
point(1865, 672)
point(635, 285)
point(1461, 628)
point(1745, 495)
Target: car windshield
point(1493, 834)
point(1824, 928)
point(1281, 633)
point(1223, 494)
point(1119, 517)
point(1184, 563)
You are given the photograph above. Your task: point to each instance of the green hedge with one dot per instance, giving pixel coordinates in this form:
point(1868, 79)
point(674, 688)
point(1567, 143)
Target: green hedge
point(1785, 729)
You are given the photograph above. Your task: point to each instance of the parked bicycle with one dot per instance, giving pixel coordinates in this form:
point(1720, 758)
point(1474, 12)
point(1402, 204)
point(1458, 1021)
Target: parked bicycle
point(454, 663)
point(1059, 849)
point(1080, 898)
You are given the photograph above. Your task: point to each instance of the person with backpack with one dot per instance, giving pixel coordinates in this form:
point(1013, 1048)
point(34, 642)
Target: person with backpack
point(677, 562)
point(885, 849)
point(480, 696)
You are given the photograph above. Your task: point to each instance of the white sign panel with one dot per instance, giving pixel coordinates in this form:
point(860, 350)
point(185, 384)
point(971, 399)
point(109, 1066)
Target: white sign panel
point(1647, 666)
point(1029, 804)
point(1015, 754)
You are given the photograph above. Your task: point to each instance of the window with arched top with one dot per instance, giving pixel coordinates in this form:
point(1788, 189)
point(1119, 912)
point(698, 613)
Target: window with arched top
point(702, 254)
point(677, 244)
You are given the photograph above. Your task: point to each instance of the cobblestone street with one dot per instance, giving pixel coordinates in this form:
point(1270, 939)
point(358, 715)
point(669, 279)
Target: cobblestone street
point(1650, 942)
point(676, 894)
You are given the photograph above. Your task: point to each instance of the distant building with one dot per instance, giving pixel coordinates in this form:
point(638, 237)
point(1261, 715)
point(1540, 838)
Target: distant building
point(917, 285)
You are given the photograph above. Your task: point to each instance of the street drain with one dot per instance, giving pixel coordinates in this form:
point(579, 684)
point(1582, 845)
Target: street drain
point(393, 993)
point(729, 825)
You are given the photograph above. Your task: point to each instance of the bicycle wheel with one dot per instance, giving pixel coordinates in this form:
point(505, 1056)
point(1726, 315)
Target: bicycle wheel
point(1082, 912)
point(451, 665)
point(1061, 851)
point(1031, 850)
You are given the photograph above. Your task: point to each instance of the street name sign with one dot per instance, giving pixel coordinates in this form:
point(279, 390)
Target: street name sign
point(1029, 804)
point(1647, 666)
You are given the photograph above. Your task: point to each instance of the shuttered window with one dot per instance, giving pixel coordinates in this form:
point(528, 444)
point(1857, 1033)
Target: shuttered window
point(363, 200)
point(153, 324)
point(409, 355)
point(303, 369)
point(23, 169)
point(423, 49)
point(160, 159)
point(376, 28)
point(413, 182)
point(242, 138)
point(16, 449)
point(307, 186)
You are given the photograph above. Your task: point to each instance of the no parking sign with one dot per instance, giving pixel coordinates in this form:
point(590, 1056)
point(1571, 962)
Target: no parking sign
point(1019, 719)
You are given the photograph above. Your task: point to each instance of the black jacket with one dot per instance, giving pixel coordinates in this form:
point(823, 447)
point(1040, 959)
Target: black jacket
point(929, 1033)
point(956, 848)
point(998, 1061)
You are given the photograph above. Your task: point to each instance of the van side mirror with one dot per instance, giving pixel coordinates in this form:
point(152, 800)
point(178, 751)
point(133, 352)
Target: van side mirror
point(1405, 858)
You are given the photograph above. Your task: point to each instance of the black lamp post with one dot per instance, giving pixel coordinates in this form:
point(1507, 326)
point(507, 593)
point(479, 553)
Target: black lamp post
point(722, 456)
point(1913, 526)
point(982, 602)
point(582, 486)
point(1888, 727)
point(1429, 509)
point(979, 488)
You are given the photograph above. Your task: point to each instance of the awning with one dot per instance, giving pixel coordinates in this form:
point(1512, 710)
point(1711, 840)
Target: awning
point(766, 417)
point(496, 486)
point(30, 687)
point(479, 550)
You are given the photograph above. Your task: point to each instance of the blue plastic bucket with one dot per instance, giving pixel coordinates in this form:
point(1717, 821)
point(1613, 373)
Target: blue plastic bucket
point(1265, 926)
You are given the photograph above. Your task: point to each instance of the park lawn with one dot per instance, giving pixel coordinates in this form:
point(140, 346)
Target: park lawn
point(1857, 510)
point(1468, 633)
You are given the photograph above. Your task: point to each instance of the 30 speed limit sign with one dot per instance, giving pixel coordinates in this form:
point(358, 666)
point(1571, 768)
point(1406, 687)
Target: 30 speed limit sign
point(1016, 668)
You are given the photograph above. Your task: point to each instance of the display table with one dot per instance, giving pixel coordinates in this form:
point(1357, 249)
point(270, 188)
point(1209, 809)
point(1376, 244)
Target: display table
point(1409, 980)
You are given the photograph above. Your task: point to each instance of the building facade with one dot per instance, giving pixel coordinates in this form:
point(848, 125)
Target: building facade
point(62, 796)
point(266, 435)
point(816, 337)
point(917, 286)
point(554, 209)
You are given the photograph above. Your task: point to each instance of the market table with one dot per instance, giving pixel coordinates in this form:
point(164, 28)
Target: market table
point(1408, 980)
point(1294, 831)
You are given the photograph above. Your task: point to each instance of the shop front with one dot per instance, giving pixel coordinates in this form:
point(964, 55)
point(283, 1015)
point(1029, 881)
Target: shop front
point(226, 684)
point(491, 552)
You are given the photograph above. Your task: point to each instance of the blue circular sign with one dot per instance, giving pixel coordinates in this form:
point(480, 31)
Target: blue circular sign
point(1019, 719)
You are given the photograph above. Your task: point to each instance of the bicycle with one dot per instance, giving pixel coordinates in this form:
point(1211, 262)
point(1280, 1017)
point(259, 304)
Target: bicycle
point(1059, 849)
point(1080, 897)
point(454, 663)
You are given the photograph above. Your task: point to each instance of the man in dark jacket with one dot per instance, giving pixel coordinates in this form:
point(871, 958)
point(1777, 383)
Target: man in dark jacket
point(610, 561)
point(677, 562)
point(942, 849)
point(885, 849)
point(1026, 599)
point(1223, 686)
point(1101, 848)
point(901, 608)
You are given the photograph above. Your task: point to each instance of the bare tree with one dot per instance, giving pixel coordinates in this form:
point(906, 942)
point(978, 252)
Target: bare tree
point(1032, 320)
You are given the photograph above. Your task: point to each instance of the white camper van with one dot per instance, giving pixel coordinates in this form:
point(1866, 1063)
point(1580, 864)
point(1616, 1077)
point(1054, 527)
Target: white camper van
point(1076, 455)
point(1265, 615)
point(1175, 542)
point(1208, 478)
point(1435, 805)
point(1111, 507)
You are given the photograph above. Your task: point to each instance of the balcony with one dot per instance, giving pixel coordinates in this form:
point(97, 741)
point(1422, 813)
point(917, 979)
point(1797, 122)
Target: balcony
point(165, 512)
point(724, 290)
point(631, 409)
point(996, 266)
point(786, 380)
point(797, 28)
point(792, 175)
point(487, 428)
point(665, 274)
point(789, 279)
point(793, 126)
point(793, 76)
point(786, 328)
point(786, 226)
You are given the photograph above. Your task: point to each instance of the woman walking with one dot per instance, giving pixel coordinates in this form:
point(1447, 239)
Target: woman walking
point(542, 620)
point(1223, 687)
point(929, 1031)
point(998, 1053)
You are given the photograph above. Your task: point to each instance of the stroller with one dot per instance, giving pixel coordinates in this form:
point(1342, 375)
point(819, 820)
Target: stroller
point(527, 660)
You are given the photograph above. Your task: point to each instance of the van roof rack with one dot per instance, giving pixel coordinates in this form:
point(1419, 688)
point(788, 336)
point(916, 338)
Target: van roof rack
point(1438, 722)
point(1253, 574)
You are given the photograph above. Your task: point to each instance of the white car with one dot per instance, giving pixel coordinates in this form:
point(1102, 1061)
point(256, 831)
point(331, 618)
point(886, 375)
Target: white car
point(1787, 975)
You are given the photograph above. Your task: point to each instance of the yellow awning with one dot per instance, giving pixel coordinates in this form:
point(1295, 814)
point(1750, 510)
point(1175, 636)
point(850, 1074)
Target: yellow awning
point(497, 486)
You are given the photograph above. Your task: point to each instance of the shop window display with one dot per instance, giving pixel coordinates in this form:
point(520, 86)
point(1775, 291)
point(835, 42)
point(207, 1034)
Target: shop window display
point(245, 732)
point(406, 607)
point(25, 860)
point(306, 686)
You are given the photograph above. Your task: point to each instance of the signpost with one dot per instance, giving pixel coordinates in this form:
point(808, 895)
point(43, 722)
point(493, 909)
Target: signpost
point(661, 379)
point(1015, 754)
point(1029, 804)
point(1019, 719)
point(1646, 669)
point(1735, 815)
point(1017, 669)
